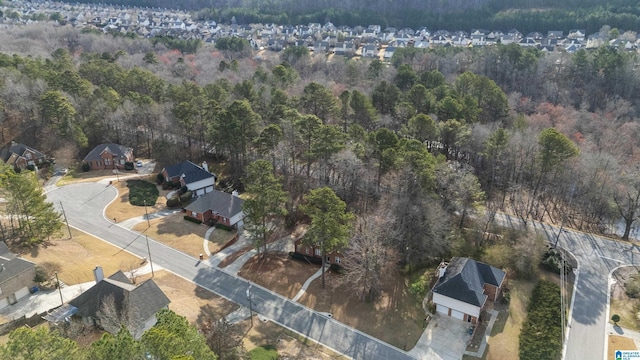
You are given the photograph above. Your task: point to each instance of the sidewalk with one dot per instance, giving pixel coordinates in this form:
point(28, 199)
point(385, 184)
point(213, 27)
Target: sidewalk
point(617, 330)
point(130, 223)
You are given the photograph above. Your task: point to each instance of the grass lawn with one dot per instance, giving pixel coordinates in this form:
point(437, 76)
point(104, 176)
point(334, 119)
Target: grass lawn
point(176, 232)
point(77, 175)
point(504, 339)
point(266, 352)
point(219, 238)
point(142, 192)
point(121, 209)
point(279, 273)
point(619, 343)
point(627, 309)
point(76, 258)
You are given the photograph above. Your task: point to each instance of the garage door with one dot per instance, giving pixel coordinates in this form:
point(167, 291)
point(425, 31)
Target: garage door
point(442, 309)
point(4, 303)
point(22, 293)
point(457, 314)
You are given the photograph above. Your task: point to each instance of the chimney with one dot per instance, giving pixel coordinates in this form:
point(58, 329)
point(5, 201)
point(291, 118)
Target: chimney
point(205, 166)
point(234, 193)
point(441, 272)
point(98, 274)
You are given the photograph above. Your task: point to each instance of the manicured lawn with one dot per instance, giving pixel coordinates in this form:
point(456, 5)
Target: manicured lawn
point(142, 192)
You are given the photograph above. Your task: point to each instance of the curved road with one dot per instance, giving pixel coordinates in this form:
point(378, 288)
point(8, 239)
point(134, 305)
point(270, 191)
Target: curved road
point(84, 206)
point(597, 258)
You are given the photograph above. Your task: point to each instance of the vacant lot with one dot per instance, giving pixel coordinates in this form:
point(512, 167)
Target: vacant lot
point(622, 304)
point(396, 317)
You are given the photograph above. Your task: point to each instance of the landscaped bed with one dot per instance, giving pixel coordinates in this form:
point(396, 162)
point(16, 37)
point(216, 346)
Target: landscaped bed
point(142, 193)
point(121, 209)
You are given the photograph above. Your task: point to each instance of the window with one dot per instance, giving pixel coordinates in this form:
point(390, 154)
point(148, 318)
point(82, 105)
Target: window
point(194, 214)
point(306, 251)
point(317, 252)
point(338, 260)
point(106, 161)
point(28, 155)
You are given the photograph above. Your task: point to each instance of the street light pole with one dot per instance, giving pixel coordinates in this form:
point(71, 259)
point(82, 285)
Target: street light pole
point(149, 251)
point(59, 289)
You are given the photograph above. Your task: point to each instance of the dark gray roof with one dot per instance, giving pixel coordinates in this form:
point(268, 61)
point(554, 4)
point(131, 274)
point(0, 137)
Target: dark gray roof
point(464, 280)
point(140, 302)
point(191, 171)
point(115, 149)
point(219, 202)
point(12, 267)
point(19, 149)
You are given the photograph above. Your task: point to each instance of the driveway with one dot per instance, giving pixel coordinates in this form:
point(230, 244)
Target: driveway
point(84, 204)
point(445, 338)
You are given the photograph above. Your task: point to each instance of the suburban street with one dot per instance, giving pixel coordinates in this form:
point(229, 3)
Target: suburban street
point(597, 258)
point(84, 206)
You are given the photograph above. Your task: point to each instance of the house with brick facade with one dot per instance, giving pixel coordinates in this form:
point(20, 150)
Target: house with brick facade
point(464, 286)
point(108, 156)
point(335, 257)
point(21, 156)
point(16, 277)
point(219, 206)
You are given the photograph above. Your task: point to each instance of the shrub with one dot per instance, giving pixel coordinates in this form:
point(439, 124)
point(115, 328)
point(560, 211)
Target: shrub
point(142, 192)
point(159, 178)
point(552, 260)
point(173, 202)
point(128, 165)
point(540, 337)
point(183, 190)
point(615, 318)
point(337, 268)
point(186, 197)
point(86, 167)
point(223, 227)
point(302, 257)
point(506, 296)
point(632, 286)
point(193, 220)
point(31, 167)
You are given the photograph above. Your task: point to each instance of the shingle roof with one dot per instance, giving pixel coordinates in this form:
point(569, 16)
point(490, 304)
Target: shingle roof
point(20, 149)
point(10, 265)
point(220, 202)
point(115, 149)
point(191, 171)
point(464, 280)
point(140, 302)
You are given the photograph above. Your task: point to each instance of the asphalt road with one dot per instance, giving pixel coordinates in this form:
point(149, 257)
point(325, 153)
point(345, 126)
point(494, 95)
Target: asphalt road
point(597, 257)
point(84, 206)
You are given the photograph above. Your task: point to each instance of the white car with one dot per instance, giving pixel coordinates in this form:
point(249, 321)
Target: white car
point(139, 163)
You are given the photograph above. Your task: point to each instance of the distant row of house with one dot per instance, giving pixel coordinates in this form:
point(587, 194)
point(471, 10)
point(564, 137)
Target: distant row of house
point(366, 41)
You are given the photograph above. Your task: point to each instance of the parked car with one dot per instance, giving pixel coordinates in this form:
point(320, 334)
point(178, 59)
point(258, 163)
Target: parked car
point(139, 163)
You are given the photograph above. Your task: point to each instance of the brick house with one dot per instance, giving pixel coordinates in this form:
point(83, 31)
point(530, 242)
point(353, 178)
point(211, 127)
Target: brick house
point(196, 178)
point(21, 155)
point(108, 156)
point(464, 286)
point(335, 257)
point(219, 206)
point(16, 277)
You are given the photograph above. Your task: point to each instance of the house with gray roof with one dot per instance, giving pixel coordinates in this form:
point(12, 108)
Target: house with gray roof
point(464, 286)
point(196, 178)
point(219, 206)
point(116, 300)
point(16, 277)
point(21, 156)
point(108, 156)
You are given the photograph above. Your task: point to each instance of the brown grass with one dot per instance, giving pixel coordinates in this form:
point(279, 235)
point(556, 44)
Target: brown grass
point(176, 232)
point(619, 343)
point(504, 339)
point(278, 273)
point(121, 209)
point(219, 238)
point(627, 309)
point(79, 256)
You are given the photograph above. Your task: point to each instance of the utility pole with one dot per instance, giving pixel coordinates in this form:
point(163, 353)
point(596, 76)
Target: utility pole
point(59, 288)
point(250, 306)
point(146, 214)
point(65, 220)
point(149, 251)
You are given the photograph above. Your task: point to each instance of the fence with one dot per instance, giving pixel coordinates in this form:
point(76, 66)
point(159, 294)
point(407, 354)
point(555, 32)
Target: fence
point(32, 321)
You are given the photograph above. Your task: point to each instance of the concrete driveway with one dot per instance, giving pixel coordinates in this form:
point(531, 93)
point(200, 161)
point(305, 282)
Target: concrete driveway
point(445, 338)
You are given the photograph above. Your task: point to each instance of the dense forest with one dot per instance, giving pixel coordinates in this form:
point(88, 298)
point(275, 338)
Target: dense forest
point(415, 146)
point(526, 16)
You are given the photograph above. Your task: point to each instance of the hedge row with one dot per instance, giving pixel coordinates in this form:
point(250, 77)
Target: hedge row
point(223, 227)
point(193, 220)
point(541, 335)
point(301, 257)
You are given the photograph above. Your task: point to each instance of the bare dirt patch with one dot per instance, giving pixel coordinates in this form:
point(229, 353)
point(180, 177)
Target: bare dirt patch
point(396, 317)
point(77, 257)
point(619, 343)
point(278, 272)
point(121, 209)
